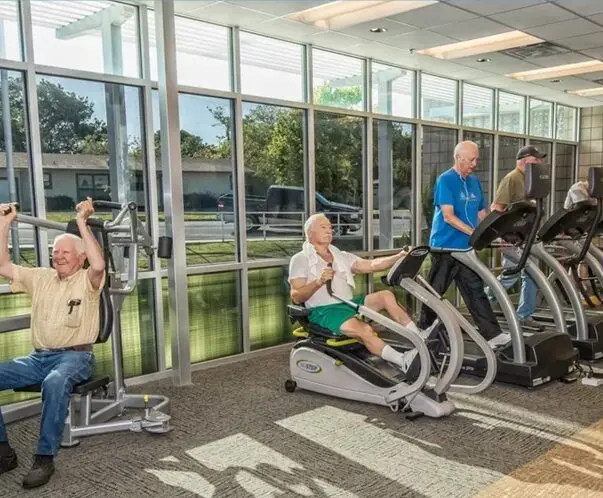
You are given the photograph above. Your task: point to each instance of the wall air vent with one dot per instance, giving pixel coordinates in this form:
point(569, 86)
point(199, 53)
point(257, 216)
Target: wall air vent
point(544, 49)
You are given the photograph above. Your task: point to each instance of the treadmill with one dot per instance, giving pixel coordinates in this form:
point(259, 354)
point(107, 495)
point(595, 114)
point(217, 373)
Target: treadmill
point(571, 231)
point(531, 359)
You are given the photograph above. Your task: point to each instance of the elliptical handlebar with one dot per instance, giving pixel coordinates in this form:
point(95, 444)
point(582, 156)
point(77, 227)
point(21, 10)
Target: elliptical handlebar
point(529, 241)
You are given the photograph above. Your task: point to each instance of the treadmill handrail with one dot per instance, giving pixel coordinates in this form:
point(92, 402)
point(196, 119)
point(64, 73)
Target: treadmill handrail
point(528, 243)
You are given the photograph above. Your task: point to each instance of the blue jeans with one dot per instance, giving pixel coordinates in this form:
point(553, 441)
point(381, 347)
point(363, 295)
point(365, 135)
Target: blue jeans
point(58, 372)
point(529, 291)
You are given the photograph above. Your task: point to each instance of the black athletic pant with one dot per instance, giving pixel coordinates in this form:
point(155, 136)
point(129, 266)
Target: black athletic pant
point(445, 269)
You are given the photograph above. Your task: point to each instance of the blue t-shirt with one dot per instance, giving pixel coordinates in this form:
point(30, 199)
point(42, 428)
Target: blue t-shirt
point(466, 197)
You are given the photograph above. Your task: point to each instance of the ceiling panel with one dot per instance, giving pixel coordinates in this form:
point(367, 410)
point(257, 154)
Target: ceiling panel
point(569, 83)
point(537, 15)
point(419, 39)
point(499, 64)
point(598, 18)
point(288, 30)
point(565, 29)
point(433, 15)
point(597, 53)
point(473, 28)
point(334, 40)
point(557, 60)
point(187, 7)
point(393, 29)
point(487, 7)
point(280, 8)
point(231, 15)
point(589, 77)
point(582, 42)
point(582, 7)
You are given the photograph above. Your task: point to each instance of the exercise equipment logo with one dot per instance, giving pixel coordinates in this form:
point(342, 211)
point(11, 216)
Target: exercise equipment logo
point(309, 367)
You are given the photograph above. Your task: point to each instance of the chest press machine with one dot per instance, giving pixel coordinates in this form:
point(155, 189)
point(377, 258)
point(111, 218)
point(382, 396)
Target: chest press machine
point(89, 414)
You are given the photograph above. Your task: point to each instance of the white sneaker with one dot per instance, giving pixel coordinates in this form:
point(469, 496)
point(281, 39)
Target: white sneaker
point(499, 340)
point(430, 331)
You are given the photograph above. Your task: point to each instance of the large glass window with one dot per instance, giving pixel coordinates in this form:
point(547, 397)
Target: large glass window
point(392, 90)
point(541, 118)
point(266, 59)
point(507, 154)
point(207, 177)
point(565, 160)
point(566, 123)
point(437, 156)
point(511, 112)
point(269, 322)
point(214, 306)
point(198, 45)
point(274, 180)
point(392, 184)
point(10, 34)
point(478, 106)
point(484, 172)
point(14, 164)
point(91, 144)
point(86, 35)
point(339, 192)
point(438, 98)
point(337, 80)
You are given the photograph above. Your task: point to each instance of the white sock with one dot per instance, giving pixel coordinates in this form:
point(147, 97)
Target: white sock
point(413, 326)
point(393, 356)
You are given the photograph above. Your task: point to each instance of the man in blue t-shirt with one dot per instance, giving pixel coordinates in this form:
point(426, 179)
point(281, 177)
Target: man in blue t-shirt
point(459, 206)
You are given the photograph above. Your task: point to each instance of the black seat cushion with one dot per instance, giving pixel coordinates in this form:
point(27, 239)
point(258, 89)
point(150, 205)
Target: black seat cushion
point(82, 388)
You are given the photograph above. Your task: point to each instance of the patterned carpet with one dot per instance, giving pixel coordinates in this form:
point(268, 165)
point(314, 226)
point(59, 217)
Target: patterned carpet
point(239, 434)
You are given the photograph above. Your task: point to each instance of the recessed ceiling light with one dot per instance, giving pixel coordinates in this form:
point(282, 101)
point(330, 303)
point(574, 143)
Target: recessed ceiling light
point(557, 71)
point(555, 81)
point(378, 30)
point(483, 59)
point(587, 92)
point(483, 45)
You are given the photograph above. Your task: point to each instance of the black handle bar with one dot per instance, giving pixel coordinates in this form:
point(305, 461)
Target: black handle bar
point(529, 241)
point(329, 282)
point(113, 205)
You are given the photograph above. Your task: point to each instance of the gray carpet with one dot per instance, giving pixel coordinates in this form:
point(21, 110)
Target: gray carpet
point(239, 434)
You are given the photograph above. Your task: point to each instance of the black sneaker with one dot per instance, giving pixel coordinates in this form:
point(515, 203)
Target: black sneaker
point(529, 323)
point(8, 460)
point(40, 473)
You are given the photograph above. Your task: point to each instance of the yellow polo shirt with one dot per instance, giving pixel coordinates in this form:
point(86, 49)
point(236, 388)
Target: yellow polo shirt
point(52, 323)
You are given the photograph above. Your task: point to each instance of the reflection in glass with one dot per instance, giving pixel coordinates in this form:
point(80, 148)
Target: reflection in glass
point(565, 160)
point(337, 80)
point(269, 322)
point(266, 59)
point(507, 153)
point(541, 118)
point(339, 192)
point(214, 316)
point(207, 177)
point(392, 90)
point(438, 98)
point(274, 180)
point(478, 106)
point(392, 184)
point(484, 167)
point(511, 112)
point(98, 36)
point(438, 156)
point(566, 123)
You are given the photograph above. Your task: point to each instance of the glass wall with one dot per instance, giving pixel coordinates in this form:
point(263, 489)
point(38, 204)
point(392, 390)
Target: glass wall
point(93, 126)
point(392, 184)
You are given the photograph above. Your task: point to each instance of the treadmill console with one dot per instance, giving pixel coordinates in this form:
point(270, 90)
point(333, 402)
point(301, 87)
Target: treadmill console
point(406, 267)
point(595, 182)
point(537, 181)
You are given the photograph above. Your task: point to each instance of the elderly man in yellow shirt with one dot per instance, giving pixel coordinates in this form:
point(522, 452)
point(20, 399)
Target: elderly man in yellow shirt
point(65, 314)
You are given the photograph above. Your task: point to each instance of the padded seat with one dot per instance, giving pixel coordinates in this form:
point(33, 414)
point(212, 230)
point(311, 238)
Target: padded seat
point(82, 388)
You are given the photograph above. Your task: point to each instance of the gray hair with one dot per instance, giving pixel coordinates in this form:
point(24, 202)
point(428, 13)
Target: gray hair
point(77, 241)
point(461, 145)
point(310, 221)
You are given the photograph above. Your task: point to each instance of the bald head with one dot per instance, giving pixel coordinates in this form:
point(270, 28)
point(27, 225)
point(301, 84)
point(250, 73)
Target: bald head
point(466, 156)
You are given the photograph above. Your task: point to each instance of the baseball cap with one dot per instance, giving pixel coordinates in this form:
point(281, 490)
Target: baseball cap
point(529, 150)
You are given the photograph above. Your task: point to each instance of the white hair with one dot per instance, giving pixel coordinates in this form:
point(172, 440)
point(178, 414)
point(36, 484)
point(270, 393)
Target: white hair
point(77, 241)
point(461, 145)
point(310, 221)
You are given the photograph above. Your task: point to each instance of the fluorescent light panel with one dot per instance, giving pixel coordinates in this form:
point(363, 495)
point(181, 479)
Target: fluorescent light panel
point(342, 14)
point(558, 71)
point(588, 92)
point(484, 45)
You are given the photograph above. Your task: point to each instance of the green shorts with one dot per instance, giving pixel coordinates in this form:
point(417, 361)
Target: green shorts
point(332, 316)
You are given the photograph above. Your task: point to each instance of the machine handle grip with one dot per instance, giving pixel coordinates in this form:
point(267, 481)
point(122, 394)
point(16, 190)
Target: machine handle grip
point(114, 205)
point(529, 241)
point(329, 282)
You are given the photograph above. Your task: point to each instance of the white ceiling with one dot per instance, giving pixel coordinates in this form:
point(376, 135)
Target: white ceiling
point(574, 25)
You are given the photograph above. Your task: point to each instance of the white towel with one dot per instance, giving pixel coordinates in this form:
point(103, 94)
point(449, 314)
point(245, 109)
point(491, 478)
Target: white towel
point(339, 264)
